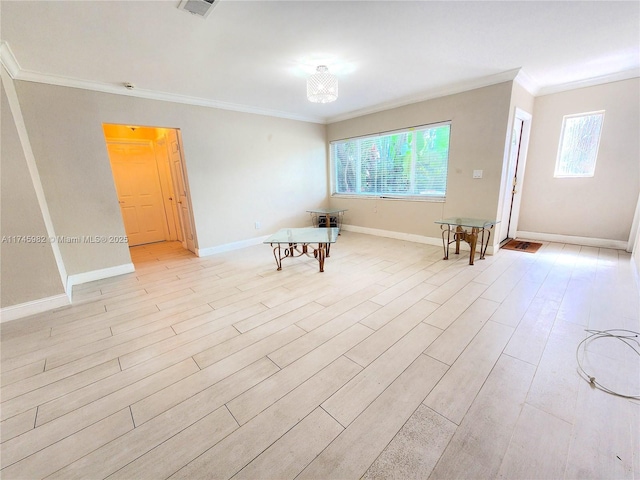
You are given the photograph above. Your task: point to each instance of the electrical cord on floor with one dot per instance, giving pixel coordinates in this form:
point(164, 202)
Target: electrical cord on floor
point(628, 337)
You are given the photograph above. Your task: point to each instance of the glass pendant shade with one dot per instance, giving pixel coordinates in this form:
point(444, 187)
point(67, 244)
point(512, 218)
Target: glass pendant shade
point(322, 87)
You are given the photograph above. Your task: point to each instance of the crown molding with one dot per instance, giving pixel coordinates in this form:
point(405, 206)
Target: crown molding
point(518, 75)
point(8, 59)
point(156, 95)
point(590, 82)
point(452, 89)
point(526, 82)
point(17, 73)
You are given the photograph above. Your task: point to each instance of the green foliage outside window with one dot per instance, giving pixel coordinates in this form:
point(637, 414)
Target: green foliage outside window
point(579, 142)
point(411, 163)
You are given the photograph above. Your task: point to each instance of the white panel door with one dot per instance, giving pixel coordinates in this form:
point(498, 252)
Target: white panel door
point(180, 189)
point(135, 174)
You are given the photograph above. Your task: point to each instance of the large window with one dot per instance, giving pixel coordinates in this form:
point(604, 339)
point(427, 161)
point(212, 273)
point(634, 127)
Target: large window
point(404, 164)
point(579, 143)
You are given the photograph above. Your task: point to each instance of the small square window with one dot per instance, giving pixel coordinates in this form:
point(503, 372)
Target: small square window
point(579, 142)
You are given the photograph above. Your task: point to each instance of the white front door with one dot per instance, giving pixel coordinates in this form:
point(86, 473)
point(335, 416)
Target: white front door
point(180, 189)
point(515, 174)
point(135, 174)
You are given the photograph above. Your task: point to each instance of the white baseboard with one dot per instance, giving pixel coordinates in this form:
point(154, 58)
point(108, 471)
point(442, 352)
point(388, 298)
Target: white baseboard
point(94, 275)
point(227, 247)
point(409, 237)
point(584, 241)
point(34, 307)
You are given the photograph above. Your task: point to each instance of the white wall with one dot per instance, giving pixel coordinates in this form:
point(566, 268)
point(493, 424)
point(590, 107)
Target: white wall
point(601, 207)
point(28, 269)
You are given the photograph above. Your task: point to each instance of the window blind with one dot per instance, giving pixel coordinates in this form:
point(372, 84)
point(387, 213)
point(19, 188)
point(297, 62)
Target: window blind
point(405, 163)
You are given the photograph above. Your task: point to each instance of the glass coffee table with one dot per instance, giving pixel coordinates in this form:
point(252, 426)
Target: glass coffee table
point(295, 242)
point(458, 227)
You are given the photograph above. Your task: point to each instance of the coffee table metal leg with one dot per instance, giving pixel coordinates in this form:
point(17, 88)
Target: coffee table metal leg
point(483, 245)
point(277, 256)
point(472, 240)
point(459, 235)
point(445, 243)
point(321, 255)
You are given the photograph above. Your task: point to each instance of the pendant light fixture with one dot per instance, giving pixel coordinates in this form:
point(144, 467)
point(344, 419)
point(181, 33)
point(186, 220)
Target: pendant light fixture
point(322, 87)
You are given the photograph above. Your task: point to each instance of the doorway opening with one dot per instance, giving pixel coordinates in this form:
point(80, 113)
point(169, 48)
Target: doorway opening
point(151, 183)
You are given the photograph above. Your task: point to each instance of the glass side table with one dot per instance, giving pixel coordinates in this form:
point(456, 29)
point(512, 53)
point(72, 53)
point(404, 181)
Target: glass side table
point(327, 217)
point(467, 230)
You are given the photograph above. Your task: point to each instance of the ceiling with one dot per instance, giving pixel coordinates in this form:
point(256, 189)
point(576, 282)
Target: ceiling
point(255, 55)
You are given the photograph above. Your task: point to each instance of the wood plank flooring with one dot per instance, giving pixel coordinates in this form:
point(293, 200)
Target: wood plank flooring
point(393, 363)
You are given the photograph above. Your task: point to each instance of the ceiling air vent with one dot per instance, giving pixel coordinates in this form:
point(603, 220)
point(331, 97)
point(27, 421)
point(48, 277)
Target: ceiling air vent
point(202, 8)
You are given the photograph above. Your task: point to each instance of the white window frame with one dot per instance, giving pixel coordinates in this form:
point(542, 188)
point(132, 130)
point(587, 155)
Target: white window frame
point(562, 173)
point(391, 196)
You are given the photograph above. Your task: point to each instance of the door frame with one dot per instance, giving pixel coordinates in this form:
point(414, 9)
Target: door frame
point(186, 221)
point(509, 229)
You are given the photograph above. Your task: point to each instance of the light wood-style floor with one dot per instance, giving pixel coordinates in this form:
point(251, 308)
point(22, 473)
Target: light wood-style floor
point(391, 364)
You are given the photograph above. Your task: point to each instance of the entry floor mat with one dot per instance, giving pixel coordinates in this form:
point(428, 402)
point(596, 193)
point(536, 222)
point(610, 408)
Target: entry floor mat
point(522, 246)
